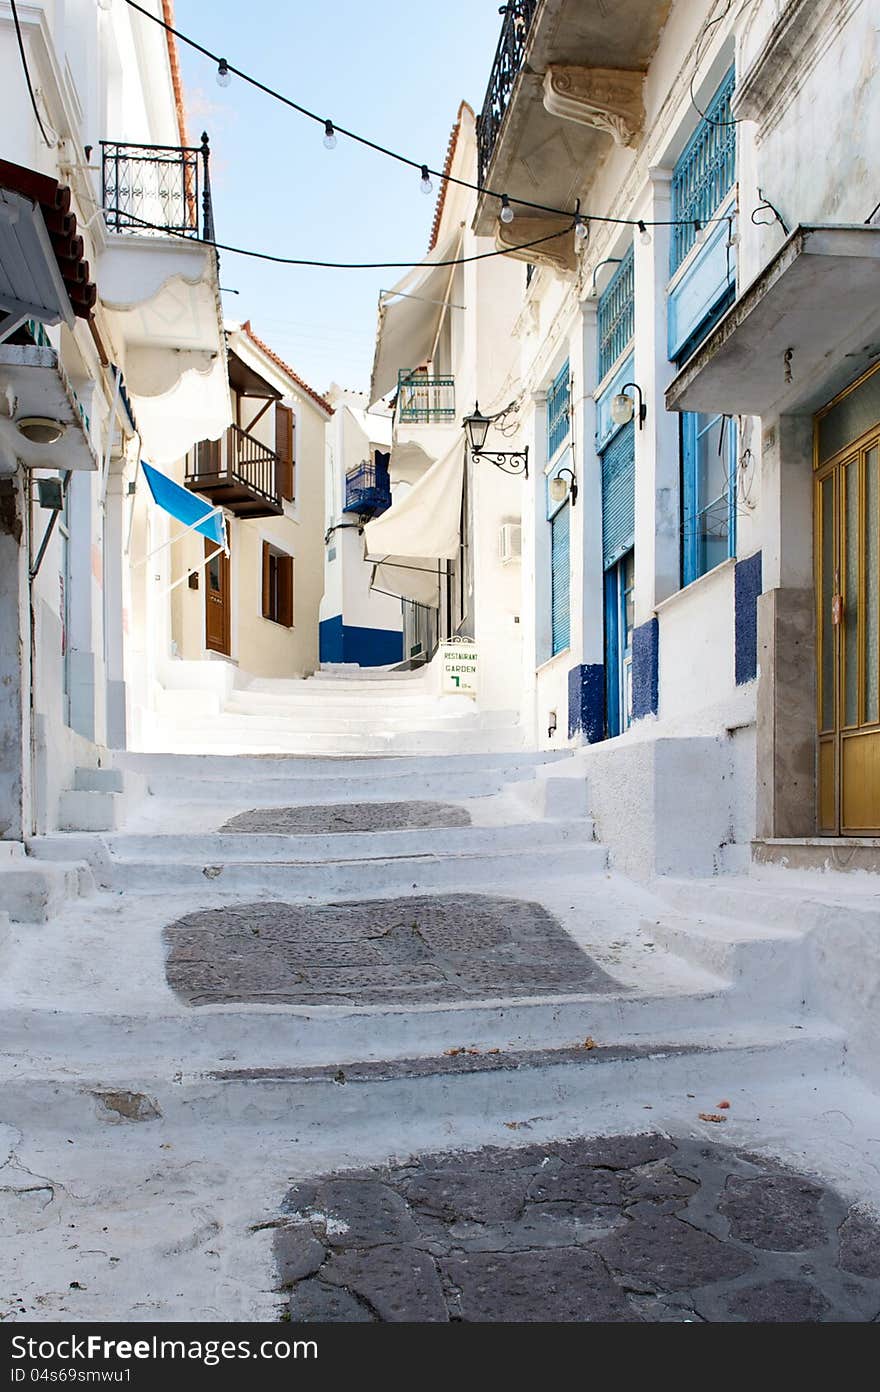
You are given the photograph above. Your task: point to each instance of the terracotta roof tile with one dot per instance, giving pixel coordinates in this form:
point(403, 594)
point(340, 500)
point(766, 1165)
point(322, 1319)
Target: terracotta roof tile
point(279, 362)
point(174, 64)
point(53, 200)
point(447, 167)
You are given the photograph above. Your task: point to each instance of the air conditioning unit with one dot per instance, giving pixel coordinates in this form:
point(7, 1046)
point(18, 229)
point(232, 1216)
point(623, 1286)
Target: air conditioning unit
point(510, 543)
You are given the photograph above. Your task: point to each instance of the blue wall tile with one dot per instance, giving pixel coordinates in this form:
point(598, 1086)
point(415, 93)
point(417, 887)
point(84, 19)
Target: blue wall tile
point(746, 588)
point(369, 647)
point(586, 702)
point(646, 668)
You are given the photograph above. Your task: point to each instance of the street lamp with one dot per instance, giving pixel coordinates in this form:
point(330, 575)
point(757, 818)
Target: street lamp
point(623, 407)
point(476, 427)
point(560, 489)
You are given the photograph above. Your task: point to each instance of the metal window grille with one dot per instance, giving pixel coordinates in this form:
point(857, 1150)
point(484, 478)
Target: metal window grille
point(704, 173)
point(560, 580)
point(558, 411)
point(616, 314)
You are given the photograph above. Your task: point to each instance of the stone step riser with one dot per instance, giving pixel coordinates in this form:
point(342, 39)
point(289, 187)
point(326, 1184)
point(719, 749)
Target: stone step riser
point(207, 741)
point(229, 847)
point(34, 892)
point(513, 1097)
point(351, 770)
point(282, 792)
point(345, 878)
point(774, 962)
point(205, 1039)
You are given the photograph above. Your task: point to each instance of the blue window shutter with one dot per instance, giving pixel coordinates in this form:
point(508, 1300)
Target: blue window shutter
point(616, 314)
point(560, 580)
point(704, 172)
point(558, 410)
point(618, 495)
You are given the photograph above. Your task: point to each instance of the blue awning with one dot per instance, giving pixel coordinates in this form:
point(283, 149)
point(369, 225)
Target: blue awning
point(191, 511)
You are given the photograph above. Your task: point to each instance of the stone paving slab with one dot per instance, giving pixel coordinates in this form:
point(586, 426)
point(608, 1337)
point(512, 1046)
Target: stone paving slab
point(609, 1229)
point(429, 948)
point(347, 817)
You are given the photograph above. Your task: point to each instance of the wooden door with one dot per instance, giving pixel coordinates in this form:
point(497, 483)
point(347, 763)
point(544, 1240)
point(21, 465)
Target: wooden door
point(217, 600)
point(847, 551)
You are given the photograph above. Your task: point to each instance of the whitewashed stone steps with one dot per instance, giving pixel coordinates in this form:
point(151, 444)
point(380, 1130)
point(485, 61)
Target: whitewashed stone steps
point(240, 779)
point(329, 880)
point(514, 1091)
point(214, 849)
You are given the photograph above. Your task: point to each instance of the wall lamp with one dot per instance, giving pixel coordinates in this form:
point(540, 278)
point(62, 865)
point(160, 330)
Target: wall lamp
point(609, 261)
point(560, 490)
point(476, 428)
point(623, 407)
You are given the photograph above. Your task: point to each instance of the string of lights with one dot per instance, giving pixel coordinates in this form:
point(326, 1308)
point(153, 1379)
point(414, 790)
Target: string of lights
point(580, 221)
point(327, 265)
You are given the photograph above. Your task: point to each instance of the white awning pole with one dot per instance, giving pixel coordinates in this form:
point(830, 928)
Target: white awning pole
point(192, 571)
point(215, 512)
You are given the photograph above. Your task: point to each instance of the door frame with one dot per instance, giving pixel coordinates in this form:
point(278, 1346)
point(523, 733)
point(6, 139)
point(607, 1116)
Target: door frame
point(223, 560)
point(849, 455)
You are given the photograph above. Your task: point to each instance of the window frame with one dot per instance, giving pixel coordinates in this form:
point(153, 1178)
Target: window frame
point(691, 434)
point(277, 603)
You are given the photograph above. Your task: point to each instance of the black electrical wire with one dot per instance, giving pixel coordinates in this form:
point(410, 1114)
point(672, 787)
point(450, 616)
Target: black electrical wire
point(331, 265)
point(394, 154)
point(27, 76)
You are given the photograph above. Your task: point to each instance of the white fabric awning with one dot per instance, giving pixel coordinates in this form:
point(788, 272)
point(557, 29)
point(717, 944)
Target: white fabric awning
point(424, 527)
point(409, 316)
point(409, 580)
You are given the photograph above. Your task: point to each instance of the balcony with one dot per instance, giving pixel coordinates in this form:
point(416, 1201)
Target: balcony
point(157, 190)
point(237, 472)
point(367, 489)
point(566, 80)
point(159, 288)
point(423, 400)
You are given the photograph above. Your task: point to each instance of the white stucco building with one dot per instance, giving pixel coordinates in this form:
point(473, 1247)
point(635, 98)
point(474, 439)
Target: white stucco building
point(723, 277)
point(112, 334)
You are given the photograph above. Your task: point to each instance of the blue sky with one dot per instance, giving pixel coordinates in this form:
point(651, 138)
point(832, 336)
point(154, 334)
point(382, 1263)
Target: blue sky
point(394, 70)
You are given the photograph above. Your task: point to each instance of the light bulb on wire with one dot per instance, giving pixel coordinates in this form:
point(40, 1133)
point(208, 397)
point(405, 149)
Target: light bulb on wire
point(507, 213)
point(224, 76)
point(426, 186)
point(644, 234)
point(699, 230)
point(329, 136)
point(581, 229)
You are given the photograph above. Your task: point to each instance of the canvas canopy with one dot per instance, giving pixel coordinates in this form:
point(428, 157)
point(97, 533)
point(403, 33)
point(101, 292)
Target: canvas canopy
point(409, 316)
point(423, 528)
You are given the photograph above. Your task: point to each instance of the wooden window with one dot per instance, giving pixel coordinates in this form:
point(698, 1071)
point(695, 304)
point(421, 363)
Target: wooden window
point(277, 586)
point(285, 424)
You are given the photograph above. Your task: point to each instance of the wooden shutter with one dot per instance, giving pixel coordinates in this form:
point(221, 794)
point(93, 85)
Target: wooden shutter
point(284, 427)
point(285, 591)
point(267, 582)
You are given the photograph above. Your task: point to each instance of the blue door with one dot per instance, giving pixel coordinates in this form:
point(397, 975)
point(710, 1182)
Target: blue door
point(619, 584)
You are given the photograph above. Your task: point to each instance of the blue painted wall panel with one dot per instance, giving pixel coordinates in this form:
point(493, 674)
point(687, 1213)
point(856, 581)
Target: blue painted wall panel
point(369, 647)
point(702, 286)
point(586, 702)
point(746, 588)
point(646, 669)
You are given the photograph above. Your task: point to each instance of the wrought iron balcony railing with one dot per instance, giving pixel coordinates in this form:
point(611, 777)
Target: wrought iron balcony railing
point(518, 16)
point(237, 470)
point(157, 189)
point(423, 400)
point(367, 490)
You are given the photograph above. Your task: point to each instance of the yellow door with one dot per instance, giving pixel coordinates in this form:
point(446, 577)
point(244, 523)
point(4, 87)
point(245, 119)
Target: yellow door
point(847, 551)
